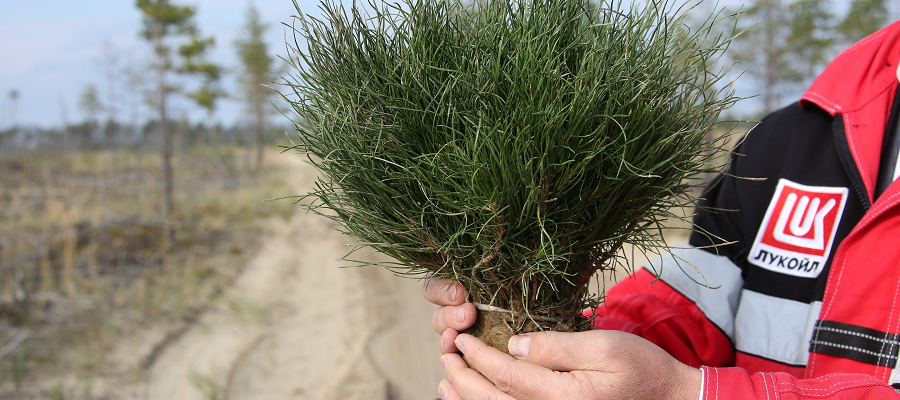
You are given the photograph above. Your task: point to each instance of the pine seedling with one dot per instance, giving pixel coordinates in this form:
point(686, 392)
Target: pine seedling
point(511, 145)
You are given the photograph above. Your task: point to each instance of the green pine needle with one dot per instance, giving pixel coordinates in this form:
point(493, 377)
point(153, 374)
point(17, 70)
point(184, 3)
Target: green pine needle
point(513, 146)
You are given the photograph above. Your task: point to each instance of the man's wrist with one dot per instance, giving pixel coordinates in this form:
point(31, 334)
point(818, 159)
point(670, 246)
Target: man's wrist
point(690, 385)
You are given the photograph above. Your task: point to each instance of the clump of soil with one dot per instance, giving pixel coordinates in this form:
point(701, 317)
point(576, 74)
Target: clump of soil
point(496, 327)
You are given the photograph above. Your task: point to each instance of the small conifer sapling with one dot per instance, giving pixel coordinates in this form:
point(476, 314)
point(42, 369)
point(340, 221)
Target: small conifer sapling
point(510, 145)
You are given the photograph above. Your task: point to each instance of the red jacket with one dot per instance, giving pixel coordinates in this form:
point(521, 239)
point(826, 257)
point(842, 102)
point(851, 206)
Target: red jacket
point(806, 271)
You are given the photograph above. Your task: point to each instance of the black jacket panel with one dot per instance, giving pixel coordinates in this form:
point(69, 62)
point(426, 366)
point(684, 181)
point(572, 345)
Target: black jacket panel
point(794, 143)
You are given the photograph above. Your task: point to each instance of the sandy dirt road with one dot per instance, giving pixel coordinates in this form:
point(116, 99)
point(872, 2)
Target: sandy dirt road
point(294, 325)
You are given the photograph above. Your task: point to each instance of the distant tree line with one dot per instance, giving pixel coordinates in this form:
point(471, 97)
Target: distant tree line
point(89, 135)
point(786, 43)
point(178, 75)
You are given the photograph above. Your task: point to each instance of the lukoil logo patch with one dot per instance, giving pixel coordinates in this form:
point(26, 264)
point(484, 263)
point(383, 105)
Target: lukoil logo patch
point(796, 235)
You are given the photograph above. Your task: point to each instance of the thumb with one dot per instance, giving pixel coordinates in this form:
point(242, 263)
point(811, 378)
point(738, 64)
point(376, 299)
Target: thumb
point(563, 351)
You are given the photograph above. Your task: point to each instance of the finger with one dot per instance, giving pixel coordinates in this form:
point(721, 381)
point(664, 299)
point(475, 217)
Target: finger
point(447, 338)
point(459, 318)
point(443, 292)
point(565, 351)
point(519, 379)
point(468, 384)
point(447, 392)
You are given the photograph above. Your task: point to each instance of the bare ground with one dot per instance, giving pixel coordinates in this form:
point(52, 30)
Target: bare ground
point(294, 325)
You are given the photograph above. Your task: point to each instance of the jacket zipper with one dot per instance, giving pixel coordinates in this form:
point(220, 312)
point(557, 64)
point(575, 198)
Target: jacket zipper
point(843, 150)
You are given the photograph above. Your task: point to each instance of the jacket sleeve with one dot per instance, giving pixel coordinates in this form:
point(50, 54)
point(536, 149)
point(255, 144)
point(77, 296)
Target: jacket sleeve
point(662, 315)
point(737, 384)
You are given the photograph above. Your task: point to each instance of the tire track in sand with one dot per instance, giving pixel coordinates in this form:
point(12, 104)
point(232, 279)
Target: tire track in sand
point(297, 326)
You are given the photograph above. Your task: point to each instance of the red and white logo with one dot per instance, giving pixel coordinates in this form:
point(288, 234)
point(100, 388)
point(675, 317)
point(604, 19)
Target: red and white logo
point(797, 233)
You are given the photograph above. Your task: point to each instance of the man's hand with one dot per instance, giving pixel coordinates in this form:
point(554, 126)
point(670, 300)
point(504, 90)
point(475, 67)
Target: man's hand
point(454, 315)
point(608, 365)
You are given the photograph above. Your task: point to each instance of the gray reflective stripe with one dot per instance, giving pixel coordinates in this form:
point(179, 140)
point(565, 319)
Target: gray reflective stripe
point(719, 301)
point(775, 328)
point(894, 379)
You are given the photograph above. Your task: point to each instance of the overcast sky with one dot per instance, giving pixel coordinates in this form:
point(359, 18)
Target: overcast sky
point(52, 49)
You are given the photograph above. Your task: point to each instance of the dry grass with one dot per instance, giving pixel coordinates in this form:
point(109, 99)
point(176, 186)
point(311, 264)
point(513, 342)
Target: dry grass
point(82, 257)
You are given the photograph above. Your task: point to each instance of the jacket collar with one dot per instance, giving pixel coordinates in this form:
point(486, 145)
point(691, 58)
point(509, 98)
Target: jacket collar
point(859, 74)
point(859, 86)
